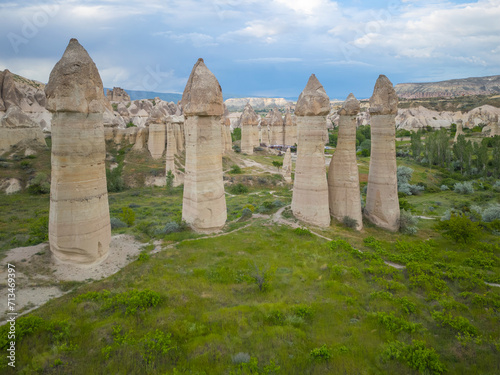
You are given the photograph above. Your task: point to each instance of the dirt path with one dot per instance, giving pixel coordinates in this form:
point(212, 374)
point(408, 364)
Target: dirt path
point(39, 277)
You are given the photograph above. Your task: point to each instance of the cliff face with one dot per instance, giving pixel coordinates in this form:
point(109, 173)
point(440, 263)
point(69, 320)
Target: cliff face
point(451, 88)
point(256, 103)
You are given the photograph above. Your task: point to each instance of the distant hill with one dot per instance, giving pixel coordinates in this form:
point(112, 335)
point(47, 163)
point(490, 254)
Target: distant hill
point(166, 96)
point(451, 88)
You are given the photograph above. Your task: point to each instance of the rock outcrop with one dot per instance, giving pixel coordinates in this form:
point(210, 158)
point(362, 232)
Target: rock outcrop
point(170, 157)
point(382, 203)
point(310, 189)
point(343, 175)
point(264, 131)
point(286, 170)
point(117, 95)
point(18, 129)
point(460, 130)
point(290, 129)
point(276, 128)
point(157, 133)
point(79, 223)
point(256, 103)
point(204, 201)
point(249, 121)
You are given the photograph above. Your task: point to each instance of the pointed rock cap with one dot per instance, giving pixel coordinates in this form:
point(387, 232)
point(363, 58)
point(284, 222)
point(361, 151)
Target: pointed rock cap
point(384, 100)
point(288, 121)
point(74, 83)
point(276, 118)
point(350, 107)
point(313, 101)
point(249, 117)
point(203, 94)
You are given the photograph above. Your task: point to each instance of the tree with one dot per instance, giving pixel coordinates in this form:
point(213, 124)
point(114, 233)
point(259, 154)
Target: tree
point(278, 164)
point(416, 144)
point(236, 134)
point(170, 181)
point(460, 228)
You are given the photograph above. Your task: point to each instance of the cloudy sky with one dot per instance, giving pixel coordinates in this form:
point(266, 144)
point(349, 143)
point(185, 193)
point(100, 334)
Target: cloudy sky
point(257, 47)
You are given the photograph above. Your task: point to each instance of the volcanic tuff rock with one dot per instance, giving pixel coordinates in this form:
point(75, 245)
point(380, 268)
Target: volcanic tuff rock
point(286, 170)
point(310, 189)
point(204, 201)
point(382, 203)
point(79, 224)
point(460, 130)
point(450, 88)
point(276, 128)
point(249, 121)
point(117, 95)
point(238, 104)
point(343, 175)
point(17, 128)
point(290, 128)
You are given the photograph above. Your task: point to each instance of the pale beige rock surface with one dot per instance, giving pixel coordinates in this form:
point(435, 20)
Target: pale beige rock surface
point(382, 203)
point(310, 189)
point(460, 130)
point(204, 201)
point(17, 128)
point(79, 223)
point(290, 128)
point(249, 121)
point(286, 170)
point(264, 131)
point(170, 156)
point(276, 128)
point(343, 175)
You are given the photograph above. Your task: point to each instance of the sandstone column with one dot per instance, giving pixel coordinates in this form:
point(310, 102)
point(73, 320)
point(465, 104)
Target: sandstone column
point(170, 154)
point(310, 189)
point(249, 121)
point(382, 203)
point(79, 225)
point(264, 131)
point(460, 130)
point(276, 128)
point(343, 175)
point(290, 129)
point(286, 170)
point(156, 140)
point(204, 201)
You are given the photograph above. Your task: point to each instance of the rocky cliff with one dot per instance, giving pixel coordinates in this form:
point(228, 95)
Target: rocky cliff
point(451, 88)
point(256, 103)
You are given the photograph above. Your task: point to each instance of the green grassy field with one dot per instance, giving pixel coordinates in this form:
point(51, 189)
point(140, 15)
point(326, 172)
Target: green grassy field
point(266, 298)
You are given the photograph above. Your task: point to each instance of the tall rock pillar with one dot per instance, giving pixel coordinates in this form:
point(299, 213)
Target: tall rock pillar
point(249, 121)
point(290, 129)
point(310, 189)
point(382, 203)
point(204, 201)
point(460, 130)
point(343, 175)
point(79, 225)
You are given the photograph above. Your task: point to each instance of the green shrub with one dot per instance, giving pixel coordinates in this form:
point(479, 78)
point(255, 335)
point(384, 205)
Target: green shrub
point(128, 216)
point(323, 353)
point(117, 223)
point(130, 124)
point(238, 188)
point(236, 134)
point(394, 324)
point(463, 188)
point(302, 232)
point(349, 222)
point(262, 277)
point(114, 180)
point(407, 222)
point(444, 187)
point(237, 148)
point(235, 169)
point(40, 184)
point(246, 214)
point(25, 326)
point(459, 228)
point(457, 323)
point(154, 345)
point(39, 230)
point(417, 356)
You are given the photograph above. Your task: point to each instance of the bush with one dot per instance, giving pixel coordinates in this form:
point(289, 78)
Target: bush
point(114, 180)
point(240, 358)
point(238, 188)
point(131, 125)
point(235, 169)
point(444, 187)
point(463, 188)
point(302, 232)
point(496, 186)
point(237, 148)
point(128, 216)
point(323, 353)
point(40, 184)
point(262, 277)
point(246, 213)
point(117, 223)
point(491, 213)
point(417, 356)
point(155, 344)
point(407, 222)
point(349, 222)
point(404, 175)
point(236, 135)
point(39, 230)
point(460, 228)
point(170, 227)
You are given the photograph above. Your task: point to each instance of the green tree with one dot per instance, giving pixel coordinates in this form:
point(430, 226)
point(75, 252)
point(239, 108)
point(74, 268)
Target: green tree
point(416, 144)
point(278, 164)
point(170, 180)
point(460, 228)
point(236, 134)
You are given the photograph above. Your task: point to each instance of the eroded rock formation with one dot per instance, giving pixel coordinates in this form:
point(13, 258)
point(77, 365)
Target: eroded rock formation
point(276, 128)
point(290, 127)
point(310, 189)
point(79, 224)
point(460, 130)
point(286, 170)
point(382, 203)
point(17, 128)
point(157, 133)
point(117, 95)
point(249, 121)
point(343, 175)
point(204, 202)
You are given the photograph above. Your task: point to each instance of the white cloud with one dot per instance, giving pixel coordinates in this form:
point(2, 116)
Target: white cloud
point(196, 39)
point(271, 60)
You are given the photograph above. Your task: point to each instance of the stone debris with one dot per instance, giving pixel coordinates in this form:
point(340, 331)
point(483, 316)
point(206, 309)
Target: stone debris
point(382, 203)
point(79, 223)
point(204, 201)
point(310, 189)
point(343, 175)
